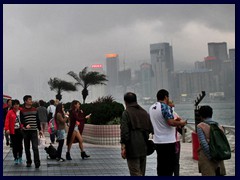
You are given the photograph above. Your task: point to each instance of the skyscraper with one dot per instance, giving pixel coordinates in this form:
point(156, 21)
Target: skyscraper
point(162, 64)
point(112, 67)
point(218, 50)
point(146, 79)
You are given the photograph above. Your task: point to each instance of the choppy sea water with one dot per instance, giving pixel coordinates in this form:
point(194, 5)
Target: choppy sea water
point(224, 113)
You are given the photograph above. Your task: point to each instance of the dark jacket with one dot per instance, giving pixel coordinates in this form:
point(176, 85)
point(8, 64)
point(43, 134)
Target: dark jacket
point(135, 129)
point(73, 117)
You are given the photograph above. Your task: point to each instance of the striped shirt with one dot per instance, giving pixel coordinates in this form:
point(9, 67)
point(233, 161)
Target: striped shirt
point(29, 116)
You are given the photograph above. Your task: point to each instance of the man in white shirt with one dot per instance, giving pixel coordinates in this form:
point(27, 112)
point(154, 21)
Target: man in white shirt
point(51, 109)
point(164, 133)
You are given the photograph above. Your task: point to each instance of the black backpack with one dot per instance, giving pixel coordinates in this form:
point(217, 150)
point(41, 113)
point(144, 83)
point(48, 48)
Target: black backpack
point(51, 151)
point(218, 145)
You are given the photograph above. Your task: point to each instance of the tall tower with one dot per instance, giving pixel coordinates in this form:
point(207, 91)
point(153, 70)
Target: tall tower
point(112, 67)
point(217, 54)
point(146, 80)
point(162, 65)
point(218, 50)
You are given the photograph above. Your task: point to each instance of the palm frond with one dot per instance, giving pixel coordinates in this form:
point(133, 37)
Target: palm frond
point(75, 76)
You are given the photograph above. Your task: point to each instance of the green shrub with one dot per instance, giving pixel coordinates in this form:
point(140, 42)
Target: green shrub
point(103, 112)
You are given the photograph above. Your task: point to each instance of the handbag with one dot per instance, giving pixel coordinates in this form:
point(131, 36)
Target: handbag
point(150, 147)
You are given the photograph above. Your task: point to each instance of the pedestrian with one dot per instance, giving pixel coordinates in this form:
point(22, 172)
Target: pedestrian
point(31, 125)
point(76, 116)
point(178, 134)
point(206, 165)
point(13, 127)
point(5, 111)
point(164, 133)
point(51, 112)
point(42, 113)
point(135, 129)
point(60, 119)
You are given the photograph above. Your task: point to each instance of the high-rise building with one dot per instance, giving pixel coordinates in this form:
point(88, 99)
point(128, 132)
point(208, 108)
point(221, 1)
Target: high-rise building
point(112, 67)
point(124, 78)
point(217, 55)
point(146, 80)
point(162, 65)
point(218, 50)
point(190, 82)
point(199, 65)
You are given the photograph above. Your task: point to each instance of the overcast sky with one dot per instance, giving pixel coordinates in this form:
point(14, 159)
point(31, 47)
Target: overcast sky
point(43, 41)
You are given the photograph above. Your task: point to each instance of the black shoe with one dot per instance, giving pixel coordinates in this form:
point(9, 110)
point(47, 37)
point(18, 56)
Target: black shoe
point(37, 166)
point(28, 165)
point(68, 156)
point(83, 155)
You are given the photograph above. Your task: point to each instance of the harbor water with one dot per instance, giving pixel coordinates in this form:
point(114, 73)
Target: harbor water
point(224, 113)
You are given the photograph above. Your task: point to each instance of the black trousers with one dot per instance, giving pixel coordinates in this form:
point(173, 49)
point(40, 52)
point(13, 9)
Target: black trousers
point(165, 159)
point(59, 149)
point(31, 136)
point(177, 158)
point(17, 143)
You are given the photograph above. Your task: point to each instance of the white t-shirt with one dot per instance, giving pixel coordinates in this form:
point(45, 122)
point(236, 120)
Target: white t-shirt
point(51, 109)
point(163, 133)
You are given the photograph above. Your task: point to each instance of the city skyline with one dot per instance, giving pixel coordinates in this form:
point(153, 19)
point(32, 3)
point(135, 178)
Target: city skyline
point(46, 41)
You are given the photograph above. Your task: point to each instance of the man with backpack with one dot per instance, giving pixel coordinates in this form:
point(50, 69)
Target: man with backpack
point(214, 147)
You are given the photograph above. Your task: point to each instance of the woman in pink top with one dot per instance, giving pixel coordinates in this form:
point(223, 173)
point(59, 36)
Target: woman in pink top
point(178, 146)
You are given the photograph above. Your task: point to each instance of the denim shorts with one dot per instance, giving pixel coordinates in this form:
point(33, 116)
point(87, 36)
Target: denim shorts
point(61, 134)
point(76, 128)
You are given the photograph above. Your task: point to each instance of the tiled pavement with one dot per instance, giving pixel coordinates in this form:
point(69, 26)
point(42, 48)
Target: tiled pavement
point(104, 161)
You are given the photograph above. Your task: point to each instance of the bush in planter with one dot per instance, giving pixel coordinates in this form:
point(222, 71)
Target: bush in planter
point(104, 111)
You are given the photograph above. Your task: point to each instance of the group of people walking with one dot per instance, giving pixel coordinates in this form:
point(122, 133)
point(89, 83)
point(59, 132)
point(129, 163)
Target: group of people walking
point(27, 124)
point(164, 123)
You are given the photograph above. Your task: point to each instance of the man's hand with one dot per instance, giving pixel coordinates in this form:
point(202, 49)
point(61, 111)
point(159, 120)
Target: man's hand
point(88, 116)
point(123, 151)
point(28, 126)
point(40, 133)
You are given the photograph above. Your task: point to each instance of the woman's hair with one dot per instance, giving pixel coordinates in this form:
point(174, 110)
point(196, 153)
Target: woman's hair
point(59, 110)
point(73, 104)
point(15, 102)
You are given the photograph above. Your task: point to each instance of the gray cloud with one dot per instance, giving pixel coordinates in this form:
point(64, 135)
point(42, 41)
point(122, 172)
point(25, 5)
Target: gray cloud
point(50, 40)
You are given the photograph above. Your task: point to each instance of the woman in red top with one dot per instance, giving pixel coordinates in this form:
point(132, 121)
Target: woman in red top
point(77, 117)
point(13, 127)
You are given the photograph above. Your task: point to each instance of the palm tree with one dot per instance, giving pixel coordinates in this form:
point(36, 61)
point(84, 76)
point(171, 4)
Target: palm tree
point(59, 85)
point(86, 79)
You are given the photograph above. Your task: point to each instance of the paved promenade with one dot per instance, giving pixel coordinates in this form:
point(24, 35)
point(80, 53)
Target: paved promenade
point(104, 161)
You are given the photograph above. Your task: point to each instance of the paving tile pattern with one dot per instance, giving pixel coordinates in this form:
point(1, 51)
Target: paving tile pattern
point(104, 161)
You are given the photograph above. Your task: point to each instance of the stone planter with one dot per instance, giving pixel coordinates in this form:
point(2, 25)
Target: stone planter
point(102, 134)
